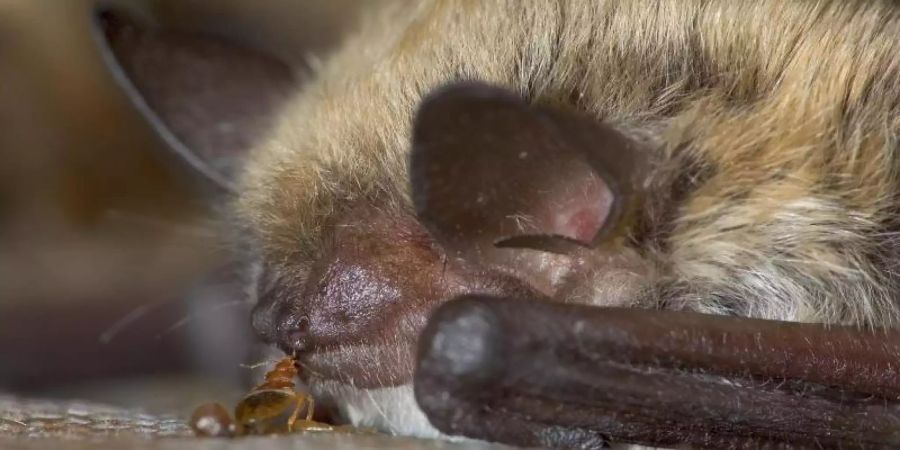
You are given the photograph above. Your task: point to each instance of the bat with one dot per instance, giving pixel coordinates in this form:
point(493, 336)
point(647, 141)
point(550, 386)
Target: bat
point(576, 224)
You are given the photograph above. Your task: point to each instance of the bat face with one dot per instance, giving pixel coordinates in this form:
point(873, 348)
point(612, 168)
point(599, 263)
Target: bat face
point(662, 157)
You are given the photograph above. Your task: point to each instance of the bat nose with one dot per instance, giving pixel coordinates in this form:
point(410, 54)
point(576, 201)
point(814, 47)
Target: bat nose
point(294, 333)
point(280, 321)
point(376, 281)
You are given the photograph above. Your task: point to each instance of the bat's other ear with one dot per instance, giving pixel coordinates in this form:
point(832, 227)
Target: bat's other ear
point(489, 170)
point(208, 99)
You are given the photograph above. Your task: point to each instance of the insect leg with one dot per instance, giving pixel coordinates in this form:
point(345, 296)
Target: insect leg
point(300, 401)
point(310, 405)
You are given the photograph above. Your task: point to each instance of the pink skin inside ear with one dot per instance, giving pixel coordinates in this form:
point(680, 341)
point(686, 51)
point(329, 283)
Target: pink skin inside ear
point(582, 210)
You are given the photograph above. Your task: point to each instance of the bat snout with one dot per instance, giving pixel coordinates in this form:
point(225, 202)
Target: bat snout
point(377, 279)
point(370, 294)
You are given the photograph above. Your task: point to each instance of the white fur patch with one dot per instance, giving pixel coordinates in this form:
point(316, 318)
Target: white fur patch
point(390, 410)
point(394, 410)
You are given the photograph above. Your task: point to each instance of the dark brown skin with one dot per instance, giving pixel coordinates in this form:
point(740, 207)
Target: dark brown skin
point(383, 273)
point(481, 157)
point(631, 376)
point(654, 377)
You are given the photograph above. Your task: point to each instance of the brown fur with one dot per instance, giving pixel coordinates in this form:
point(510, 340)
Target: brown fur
point(775, 123)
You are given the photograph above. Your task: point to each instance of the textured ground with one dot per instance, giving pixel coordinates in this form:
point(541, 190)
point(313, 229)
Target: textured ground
point(34, 424)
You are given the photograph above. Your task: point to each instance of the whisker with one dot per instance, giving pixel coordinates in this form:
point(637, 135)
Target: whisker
point(380, 410)
point(192, 317)
point(113, 330)
point(309, 371)
point(159, 224)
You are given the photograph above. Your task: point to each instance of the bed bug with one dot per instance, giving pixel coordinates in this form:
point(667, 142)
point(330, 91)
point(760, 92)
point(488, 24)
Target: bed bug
point(272, 398)
point(262, 409)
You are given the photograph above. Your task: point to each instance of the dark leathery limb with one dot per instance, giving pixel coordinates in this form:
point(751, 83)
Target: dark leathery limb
point(531, 372)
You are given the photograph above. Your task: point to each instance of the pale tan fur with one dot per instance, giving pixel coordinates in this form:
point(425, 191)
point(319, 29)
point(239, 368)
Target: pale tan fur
point(780, 116)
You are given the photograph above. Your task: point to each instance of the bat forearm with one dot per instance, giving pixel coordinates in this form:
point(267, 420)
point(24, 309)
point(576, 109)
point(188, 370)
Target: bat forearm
point(658, 378)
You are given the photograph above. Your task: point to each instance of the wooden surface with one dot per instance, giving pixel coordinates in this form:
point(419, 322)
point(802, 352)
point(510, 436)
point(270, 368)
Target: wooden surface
point(37, 424)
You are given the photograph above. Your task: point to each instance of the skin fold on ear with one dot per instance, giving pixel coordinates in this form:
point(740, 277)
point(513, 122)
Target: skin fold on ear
point(488, 170)
point(208, 99)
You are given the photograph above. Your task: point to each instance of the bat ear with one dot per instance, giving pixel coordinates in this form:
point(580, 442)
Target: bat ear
point(207, 99)
point(489, 170)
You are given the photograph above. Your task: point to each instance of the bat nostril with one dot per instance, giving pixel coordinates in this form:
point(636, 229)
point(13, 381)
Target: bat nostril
point(295, 335)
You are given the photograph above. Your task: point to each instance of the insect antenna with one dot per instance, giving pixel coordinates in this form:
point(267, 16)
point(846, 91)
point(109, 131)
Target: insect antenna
point(259, 364)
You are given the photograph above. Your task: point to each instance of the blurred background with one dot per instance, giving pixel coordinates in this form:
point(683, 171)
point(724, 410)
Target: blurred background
point(114, 286)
